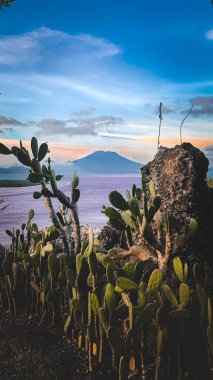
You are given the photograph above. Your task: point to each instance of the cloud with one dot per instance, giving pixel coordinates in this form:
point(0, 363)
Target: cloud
point(203, 106)
point(209, 34)
point(4, 121)
point(165, 110)
point(34, 47)
point(77, 126)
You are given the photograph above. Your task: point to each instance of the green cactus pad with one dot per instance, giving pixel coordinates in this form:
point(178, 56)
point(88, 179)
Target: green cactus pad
point(89, 248)
point(126, 284)
point(192, 228)
point(159, 341)
point(178, 268)
point(118, 201)
point(100, 256)
point(110, 274)
point(34, 147)
point(133, 206)
point(170, 295)
point(79, 259)
point(43, 149)
point(185, 272)
point(128, 195)
point(104, 319)
point(151, 212)
point(92, 261)
point(147, 315)
point(129, 269)
point(23, 158)
point(125, 298)
point(75, 180)
point(112, 213)
point(9, 233)
point(46, 249)
point(76, 195)
point(154, 281)
point(115, 340)
point(52, 265)
point(184, 292)
point(47, 193)
point(107, 260)
point(157, 202)
point(95, 303)
point(31, 214)
point(129, 220)
point(110, 298)
point(4, 150)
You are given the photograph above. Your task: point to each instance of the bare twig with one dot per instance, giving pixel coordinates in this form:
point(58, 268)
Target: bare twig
point(184, 119)
point(161, 118)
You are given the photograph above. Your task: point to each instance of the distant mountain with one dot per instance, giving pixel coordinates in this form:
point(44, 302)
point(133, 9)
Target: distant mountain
point(97, 163)
point(101, 162)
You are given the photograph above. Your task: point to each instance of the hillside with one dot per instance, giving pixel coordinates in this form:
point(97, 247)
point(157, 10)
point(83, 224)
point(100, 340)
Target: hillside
point(99, 163)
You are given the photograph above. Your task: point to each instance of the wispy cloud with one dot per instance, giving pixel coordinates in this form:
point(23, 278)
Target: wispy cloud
point(77, 126)
point(28, 48)
point(203, 106)
point(5, 121)
point(80, 124)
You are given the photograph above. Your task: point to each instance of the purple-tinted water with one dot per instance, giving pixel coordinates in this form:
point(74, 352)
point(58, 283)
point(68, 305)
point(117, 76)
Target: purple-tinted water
point(94, 194)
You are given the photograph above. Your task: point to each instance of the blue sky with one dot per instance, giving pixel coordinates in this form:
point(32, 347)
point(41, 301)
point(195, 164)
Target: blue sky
point(89, 75)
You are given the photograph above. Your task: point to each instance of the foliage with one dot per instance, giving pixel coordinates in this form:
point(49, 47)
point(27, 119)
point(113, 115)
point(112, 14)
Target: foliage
point(117, 316)
point(45, 175)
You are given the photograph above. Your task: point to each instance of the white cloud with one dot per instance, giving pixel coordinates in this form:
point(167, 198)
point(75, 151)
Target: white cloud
point(34, 47)
point(209, 34)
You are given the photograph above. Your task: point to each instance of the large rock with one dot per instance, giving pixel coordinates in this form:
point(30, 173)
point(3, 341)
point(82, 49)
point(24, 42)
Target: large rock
point(179, 175)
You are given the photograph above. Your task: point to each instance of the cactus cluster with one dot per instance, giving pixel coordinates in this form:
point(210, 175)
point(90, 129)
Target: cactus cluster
point(114, 317)
point(112, 311)
point(135, 213)
point(45, 175)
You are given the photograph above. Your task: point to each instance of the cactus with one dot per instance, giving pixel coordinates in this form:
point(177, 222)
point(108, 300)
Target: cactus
point(110, 298)
point(126, 284)
point(178, 268)
point(184, 295)
point(118, 201)
point(154, 281)
point(192, 227)
point(170, 295)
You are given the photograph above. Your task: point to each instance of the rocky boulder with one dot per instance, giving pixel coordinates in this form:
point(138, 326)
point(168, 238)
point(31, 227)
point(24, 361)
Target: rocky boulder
point(179, 175)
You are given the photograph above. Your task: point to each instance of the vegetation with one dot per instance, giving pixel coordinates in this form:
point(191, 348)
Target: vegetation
point(15, 183)
point(151, 322)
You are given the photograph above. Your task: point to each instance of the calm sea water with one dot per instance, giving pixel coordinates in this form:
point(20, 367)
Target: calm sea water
point(94, 194)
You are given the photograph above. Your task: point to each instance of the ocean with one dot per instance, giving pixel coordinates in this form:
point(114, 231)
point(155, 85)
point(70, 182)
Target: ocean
point(94, 194)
